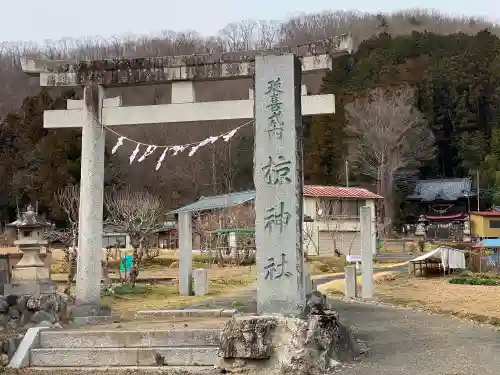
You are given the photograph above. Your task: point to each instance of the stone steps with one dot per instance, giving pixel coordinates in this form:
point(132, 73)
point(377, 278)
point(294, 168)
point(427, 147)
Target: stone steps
point(113, 349)
point(129, 339)
point(158, 356)
point(126, 370)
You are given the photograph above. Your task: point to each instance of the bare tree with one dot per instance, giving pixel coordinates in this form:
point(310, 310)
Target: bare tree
point(138, 214)
point(307, 238)
point(68, 201)
point(389, 140)
point(236, 217)
point(332, 213)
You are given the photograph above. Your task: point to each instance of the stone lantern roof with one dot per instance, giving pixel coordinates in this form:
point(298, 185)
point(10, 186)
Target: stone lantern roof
point(29, 220)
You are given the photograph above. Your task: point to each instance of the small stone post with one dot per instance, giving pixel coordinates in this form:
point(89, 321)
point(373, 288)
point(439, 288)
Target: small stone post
point(200, 277)
point(350, 281)
point(366, 252)
point(185, 254)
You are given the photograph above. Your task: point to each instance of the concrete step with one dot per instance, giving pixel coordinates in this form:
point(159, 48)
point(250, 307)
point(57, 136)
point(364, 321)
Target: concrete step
point(111, 357)
point(126, 370)
point(129, 339)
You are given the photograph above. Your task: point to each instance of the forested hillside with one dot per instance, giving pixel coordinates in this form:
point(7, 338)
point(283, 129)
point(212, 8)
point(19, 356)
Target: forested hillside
point(451, 68)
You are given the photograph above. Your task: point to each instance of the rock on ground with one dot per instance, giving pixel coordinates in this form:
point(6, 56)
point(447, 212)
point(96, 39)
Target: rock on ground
point(309, 345)
point(19, 313)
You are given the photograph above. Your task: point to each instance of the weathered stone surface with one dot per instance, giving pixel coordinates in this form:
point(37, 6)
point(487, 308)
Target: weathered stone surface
point(90, 310)
point(282, 345)
point(43, 316)
point(155, 70)
point(247, 338)
point(4, 306)
point(279, 186)
point(19, 313)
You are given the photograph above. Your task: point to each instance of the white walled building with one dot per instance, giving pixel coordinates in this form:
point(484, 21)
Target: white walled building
point(334, 212)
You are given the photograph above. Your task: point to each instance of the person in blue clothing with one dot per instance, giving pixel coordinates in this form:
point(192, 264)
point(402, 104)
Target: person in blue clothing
point(126, 267)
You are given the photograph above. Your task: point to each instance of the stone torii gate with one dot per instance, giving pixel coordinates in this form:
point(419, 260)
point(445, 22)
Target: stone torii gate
point(96, 110)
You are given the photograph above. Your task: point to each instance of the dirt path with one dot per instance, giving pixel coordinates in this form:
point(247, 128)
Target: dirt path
point(404, 342)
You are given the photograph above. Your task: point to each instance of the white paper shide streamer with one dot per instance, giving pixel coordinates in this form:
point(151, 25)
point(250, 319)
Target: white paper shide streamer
point(176, 149)
point(229, 135)
point(161, 158)
point(134, 154)
point(149, 151)
point(119, 143)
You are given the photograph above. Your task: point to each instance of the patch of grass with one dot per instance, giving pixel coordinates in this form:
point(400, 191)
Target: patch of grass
point(475, 281)
point(321, 265)
point(126, 299)
point(128, 290)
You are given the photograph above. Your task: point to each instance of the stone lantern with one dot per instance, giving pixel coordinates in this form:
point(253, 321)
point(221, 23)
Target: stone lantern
point(30, 276)
point(420, 231)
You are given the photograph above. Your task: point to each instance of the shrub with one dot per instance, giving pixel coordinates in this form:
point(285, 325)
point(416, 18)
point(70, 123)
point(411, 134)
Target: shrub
point(475, 281)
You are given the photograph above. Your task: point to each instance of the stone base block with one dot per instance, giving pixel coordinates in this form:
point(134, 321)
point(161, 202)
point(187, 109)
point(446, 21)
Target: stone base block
point(274, 345)
point(90, 310)
point(25, 288)
point(30, 274)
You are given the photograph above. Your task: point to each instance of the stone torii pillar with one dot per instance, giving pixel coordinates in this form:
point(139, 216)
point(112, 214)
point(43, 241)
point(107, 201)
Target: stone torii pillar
point(95, 110)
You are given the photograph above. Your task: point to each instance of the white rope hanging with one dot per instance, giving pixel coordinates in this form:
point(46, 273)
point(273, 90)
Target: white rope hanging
point(174, 149)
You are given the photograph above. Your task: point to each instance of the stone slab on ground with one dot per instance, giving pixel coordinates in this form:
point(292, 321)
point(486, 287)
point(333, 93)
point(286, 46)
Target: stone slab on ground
point(159, 323)
point(129, 339)
point(122, 370)
point(88, 320)
point(190, 312)
point(88, 310)
point(163, 356)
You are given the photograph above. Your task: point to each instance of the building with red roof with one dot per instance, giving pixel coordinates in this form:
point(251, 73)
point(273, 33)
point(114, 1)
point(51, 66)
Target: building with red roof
point(332, 213)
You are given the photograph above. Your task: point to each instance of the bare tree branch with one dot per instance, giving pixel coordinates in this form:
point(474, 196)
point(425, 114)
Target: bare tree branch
point(138, 214)
point(332, 212)
point(237, 217)
point(68, 200)
point(389, 139)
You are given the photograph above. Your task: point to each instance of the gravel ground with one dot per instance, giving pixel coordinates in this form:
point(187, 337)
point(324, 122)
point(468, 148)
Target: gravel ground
point(402, 341)
point(406, 342)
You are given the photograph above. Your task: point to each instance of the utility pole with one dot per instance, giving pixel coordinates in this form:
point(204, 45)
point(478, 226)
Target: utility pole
point(346, 173)
point(477, 183)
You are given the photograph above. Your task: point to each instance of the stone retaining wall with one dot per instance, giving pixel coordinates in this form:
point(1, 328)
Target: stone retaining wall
point(19, 313)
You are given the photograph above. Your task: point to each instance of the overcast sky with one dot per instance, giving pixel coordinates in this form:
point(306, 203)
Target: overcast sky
point(39, 20)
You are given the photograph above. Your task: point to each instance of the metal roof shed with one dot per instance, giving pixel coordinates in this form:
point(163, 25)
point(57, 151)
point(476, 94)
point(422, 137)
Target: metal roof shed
point(218, 201)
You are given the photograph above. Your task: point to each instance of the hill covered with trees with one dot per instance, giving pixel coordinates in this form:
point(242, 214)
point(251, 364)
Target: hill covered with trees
point(449, 68)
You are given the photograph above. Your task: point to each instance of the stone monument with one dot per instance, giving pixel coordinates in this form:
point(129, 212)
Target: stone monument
point(278, 182)
point(295, 332)
point(30, 276)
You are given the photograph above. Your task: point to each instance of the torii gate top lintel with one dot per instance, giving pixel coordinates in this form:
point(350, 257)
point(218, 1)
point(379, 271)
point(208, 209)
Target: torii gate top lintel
point(114, 72)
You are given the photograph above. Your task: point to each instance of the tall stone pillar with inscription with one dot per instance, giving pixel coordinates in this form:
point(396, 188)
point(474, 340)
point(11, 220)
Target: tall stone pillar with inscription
point(278, 182)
